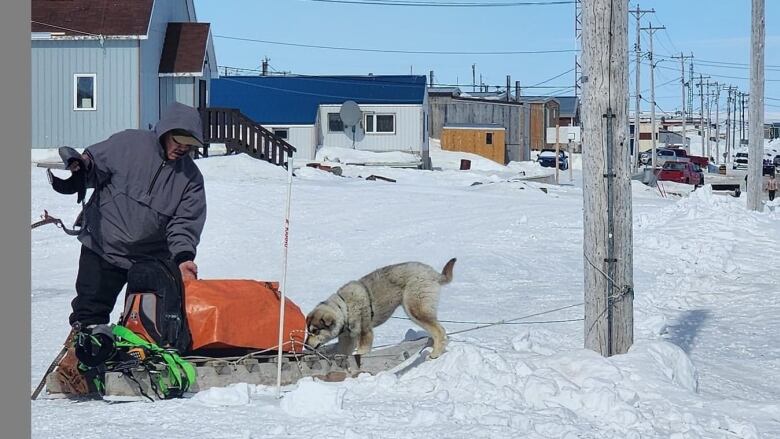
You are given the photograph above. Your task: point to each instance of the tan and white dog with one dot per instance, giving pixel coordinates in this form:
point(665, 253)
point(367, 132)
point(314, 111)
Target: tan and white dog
point(359, 306)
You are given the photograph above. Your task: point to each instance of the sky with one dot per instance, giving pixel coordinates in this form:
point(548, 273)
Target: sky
point(718, 37)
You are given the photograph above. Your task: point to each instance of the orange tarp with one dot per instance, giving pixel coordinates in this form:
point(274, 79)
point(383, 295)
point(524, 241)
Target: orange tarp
point(236, 313)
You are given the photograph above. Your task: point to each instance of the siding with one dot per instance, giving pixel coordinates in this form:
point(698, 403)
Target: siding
point(178, 89)
point(54, 122)
point(445, 110)
point(408, 130)
point(302, 137)
point(151, 50)
point(475, 141)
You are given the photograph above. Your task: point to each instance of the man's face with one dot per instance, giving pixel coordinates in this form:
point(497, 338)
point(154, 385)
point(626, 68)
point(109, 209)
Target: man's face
point(175, 150)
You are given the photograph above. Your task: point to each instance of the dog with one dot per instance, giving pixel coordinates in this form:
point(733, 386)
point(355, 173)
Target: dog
point(359, 306)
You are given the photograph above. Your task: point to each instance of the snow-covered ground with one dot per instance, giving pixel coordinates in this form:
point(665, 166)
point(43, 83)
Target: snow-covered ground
point(706, 357)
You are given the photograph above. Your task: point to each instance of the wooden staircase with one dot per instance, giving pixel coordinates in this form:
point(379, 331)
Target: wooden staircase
point(240, 134)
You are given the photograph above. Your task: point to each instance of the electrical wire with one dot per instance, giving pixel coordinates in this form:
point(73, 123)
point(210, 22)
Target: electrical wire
point(414, 52)
point(449, 4)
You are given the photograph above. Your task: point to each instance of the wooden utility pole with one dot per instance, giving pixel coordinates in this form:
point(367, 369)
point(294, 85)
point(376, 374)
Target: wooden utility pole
point(717, 122)
point(709, 122)
point(756, 111)
point(683, 118)
point(705, 143)
point(638, 13)
point(608, 242)
point(653, 135)
point(729, 125)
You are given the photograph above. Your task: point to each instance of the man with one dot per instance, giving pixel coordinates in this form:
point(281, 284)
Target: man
point(149, 200)
point(771, 187)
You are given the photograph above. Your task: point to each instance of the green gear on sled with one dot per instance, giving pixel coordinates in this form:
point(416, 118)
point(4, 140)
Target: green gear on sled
point(180, 373)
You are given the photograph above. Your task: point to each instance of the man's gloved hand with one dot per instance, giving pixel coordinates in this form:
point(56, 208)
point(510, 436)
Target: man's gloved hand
point(189, 271)
point(78, 165)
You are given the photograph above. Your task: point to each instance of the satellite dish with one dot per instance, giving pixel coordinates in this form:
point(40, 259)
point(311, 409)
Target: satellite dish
point(351, 115)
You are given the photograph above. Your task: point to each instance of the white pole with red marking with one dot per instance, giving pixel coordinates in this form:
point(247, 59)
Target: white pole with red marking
point(283, 286)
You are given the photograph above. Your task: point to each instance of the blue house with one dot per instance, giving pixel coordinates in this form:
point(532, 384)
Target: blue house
point(101, 66)
point(305, 110)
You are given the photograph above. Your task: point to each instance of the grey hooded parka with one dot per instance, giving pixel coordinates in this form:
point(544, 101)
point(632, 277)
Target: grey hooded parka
point(144, 204)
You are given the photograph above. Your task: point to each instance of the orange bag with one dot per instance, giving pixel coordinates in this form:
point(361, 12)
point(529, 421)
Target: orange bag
point(240, 314)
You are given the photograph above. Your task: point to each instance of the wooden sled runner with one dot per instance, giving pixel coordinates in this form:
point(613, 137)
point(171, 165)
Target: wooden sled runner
point(261, 369)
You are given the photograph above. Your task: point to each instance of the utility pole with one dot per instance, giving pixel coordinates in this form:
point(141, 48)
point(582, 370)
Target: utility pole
point(727, 159)
point(577, 40)
point(638, 13)
point(264, 68)
point(608, 242)
point(741, 118)
point(474, 78)
point(705, 145)
point(717, 122)
point(653, 135)
point(709, 121)
point(430, 82)
point(684, 129)
point(508, 88)
point(734, 145)
point(756, 111)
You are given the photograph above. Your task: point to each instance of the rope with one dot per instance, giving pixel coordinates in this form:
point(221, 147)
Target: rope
point(509, 321)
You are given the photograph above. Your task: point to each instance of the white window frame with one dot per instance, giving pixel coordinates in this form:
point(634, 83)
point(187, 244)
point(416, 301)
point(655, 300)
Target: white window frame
point(76, 77)
point(375, 115)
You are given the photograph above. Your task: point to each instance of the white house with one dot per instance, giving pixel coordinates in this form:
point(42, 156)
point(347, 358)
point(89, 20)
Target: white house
point(305, 110)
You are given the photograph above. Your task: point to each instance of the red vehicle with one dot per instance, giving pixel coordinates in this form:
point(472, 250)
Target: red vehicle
point(680, 172)
point(702, 161)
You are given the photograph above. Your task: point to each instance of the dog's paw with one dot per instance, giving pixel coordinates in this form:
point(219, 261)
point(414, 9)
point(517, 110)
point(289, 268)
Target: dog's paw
point(362, 351)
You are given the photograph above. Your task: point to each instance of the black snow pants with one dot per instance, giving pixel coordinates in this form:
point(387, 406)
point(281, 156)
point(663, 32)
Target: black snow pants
point(98, 285)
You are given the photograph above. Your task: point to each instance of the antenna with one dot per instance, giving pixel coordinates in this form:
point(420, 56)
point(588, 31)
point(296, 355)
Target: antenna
point(350, 114)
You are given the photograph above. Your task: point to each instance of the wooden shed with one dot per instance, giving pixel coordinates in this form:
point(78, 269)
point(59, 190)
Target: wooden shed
point(486, 140)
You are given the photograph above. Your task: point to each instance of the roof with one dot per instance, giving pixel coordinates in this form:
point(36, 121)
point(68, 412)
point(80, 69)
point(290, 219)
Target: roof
point(569, 105)
point(91, 17)
point(537, 98)
point(475, 126)
point(185, 48)
point(446, 91)
point(295, 100)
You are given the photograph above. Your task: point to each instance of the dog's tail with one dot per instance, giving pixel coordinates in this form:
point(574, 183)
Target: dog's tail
point(446, 272)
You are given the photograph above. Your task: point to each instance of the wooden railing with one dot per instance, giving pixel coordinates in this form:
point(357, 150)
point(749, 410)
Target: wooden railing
point(241, 134)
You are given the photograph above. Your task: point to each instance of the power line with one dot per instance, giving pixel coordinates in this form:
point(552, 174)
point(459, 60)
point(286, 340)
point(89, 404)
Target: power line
point(335, 78)
point(548, 80)
point(417, 52)
point(448, 4)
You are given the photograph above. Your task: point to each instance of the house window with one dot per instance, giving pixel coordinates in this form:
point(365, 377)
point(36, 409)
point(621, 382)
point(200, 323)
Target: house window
point(380, 123)
point(281, 132)
point(84, 91)
point(488, 138)
point(334, 123)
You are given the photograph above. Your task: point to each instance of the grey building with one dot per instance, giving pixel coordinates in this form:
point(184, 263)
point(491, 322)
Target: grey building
point(448, 106)
point(101, 66)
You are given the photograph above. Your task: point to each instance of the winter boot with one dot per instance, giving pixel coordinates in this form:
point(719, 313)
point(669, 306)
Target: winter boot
point(67, 372)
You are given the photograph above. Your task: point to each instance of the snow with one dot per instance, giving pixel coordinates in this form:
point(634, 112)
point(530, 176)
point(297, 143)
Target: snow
point(704, 363)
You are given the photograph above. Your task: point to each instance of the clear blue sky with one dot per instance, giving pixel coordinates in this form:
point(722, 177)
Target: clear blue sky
point(714, 30)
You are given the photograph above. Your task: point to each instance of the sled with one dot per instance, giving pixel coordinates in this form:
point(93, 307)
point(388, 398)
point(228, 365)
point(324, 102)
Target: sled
point(261, 369)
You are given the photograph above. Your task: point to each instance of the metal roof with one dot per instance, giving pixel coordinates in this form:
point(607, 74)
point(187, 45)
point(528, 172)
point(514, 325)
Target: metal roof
point(295, 99)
